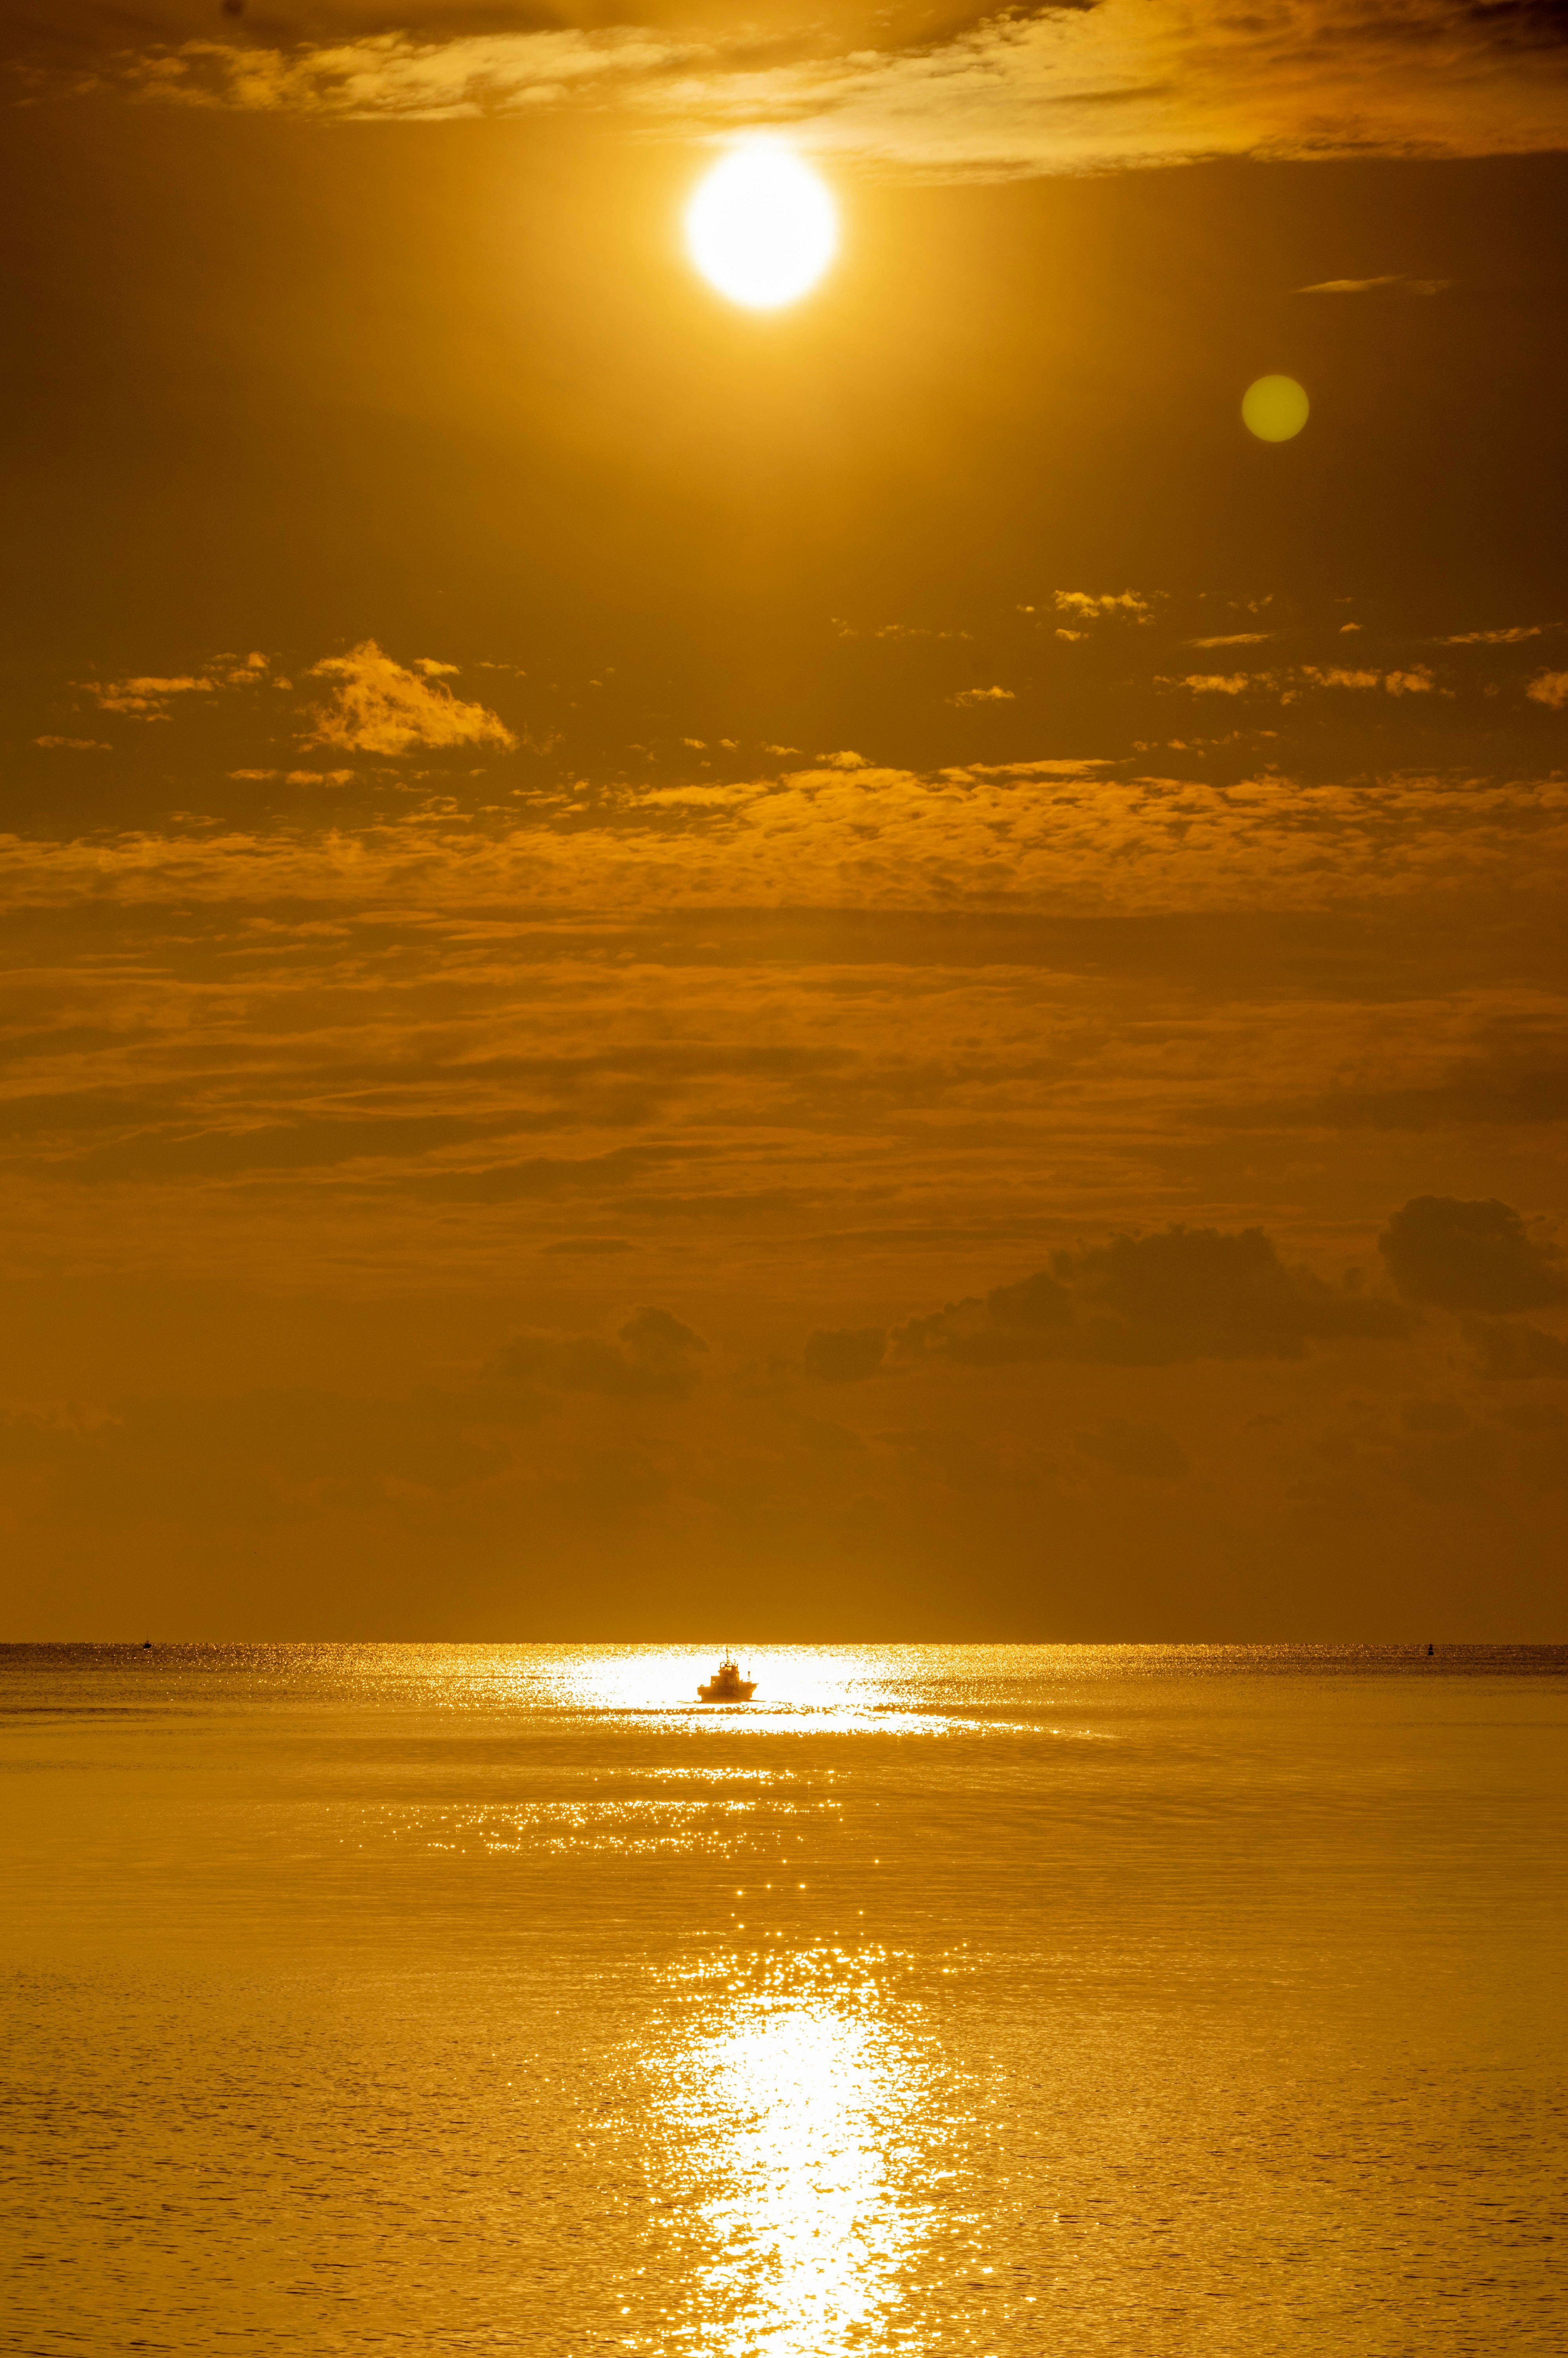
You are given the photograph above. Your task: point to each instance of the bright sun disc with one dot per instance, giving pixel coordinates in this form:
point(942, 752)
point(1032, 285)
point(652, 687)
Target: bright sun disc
point(761, 227)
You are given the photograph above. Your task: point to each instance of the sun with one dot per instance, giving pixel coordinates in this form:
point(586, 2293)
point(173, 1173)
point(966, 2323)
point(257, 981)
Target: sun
point(761, 227)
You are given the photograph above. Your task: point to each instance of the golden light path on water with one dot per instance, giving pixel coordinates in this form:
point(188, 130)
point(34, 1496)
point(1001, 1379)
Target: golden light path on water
point(782, 2131)
point(942, 2002)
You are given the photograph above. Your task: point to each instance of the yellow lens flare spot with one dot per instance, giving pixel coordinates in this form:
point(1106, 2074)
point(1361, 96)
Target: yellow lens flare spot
point(1275, 408)
point(761, 227)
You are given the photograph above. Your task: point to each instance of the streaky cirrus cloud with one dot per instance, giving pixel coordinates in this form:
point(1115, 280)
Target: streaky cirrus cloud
point(1390, 282)
point(380, 706)
point(1123, 82)
point(1510, 637)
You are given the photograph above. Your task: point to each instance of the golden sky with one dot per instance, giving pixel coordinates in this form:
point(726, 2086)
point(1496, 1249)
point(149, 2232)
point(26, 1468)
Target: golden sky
point(852, 972)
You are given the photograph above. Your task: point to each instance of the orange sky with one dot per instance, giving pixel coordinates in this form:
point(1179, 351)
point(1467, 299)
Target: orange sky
point(846, 972)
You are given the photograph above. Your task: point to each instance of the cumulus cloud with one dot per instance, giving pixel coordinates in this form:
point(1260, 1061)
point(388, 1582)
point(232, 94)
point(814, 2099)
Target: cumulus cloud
point(982, 696)
point(1147, 1452)
point(380, 706)
point(1518, 1352)
point(652, 1357)
point(1153, 1301)
point(1087, 606)
point(1550, 688)
point(1469, 1256)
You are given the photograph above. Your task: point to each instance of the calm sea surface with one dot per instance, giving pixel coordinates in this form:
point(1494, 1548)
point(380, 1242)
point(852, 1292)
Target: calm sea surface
point(948, 1999)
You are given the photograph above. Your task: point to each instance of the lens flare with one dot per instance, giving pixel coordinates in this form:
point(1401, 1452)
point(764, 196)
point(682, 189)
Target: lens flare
point(761, 227)
point(1275, 408)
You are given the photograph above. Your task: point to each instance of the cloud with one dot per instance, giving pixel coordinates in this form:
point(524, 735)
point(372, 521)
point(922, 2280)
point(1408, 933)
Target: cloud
point(1044, 835)
point(589, 1245)
point(1238, 638)
point(263, 1458)
point(1493, 638)
point(1550, 688)
point(404, 73)
point(1417, 681)
point(1147, 1452)
point(1518, 1354)
point(1339, 676)
point(1153, 1301)
point(1108, 605)
point(844, 1354)
point(75, 744)
point(982, 696)
point(1469, 1256)
point(652, 1357)
point(1126, 83)
point(843, 761)
point(380, 706)
point(143, 698)
point(1496, 1089)
point(1391, 284)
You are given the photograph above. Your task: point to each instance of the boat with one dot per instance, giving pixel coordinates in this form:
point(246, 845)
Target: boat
point(727, 1686)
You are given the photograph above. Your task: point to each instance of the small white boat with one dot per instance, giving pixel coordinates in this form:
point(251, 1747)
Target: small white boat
point(727, 1686)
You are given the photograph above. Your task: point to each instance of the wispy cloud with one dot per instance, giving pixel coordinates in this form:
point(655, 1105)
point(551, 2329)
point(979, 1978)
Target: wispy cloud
point(982, 696)
point(1391, 283)
point(145, 698)
point(1123, 82)
point(1508, 638)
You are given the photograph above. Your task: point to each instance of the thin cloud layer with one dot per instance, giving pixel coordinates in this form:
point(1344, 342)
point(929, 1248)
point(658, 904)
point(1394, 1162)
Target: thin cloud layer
point(1028, 835)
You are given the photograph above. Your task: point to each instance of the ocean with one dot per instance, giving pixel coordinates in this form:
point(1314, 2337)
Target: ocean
point(979, 2001)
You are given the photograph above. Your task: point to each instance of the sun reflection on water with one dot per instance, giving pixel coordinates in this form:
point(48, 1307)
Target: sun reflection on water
point(782, 2137)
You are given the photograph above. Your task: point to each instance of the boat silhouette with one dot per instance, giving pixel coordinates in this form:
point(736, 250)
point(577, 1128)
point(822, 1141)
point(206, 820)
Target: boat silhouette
point(727, 1686)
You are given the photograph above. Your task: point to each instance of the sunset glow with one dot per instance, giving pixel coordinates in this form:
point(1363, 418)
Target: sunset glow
point(761, 227)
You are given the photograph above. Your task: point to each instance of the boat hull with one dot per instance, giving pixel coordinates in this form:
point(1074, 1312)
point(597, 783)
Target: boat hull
point(728, 1691)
